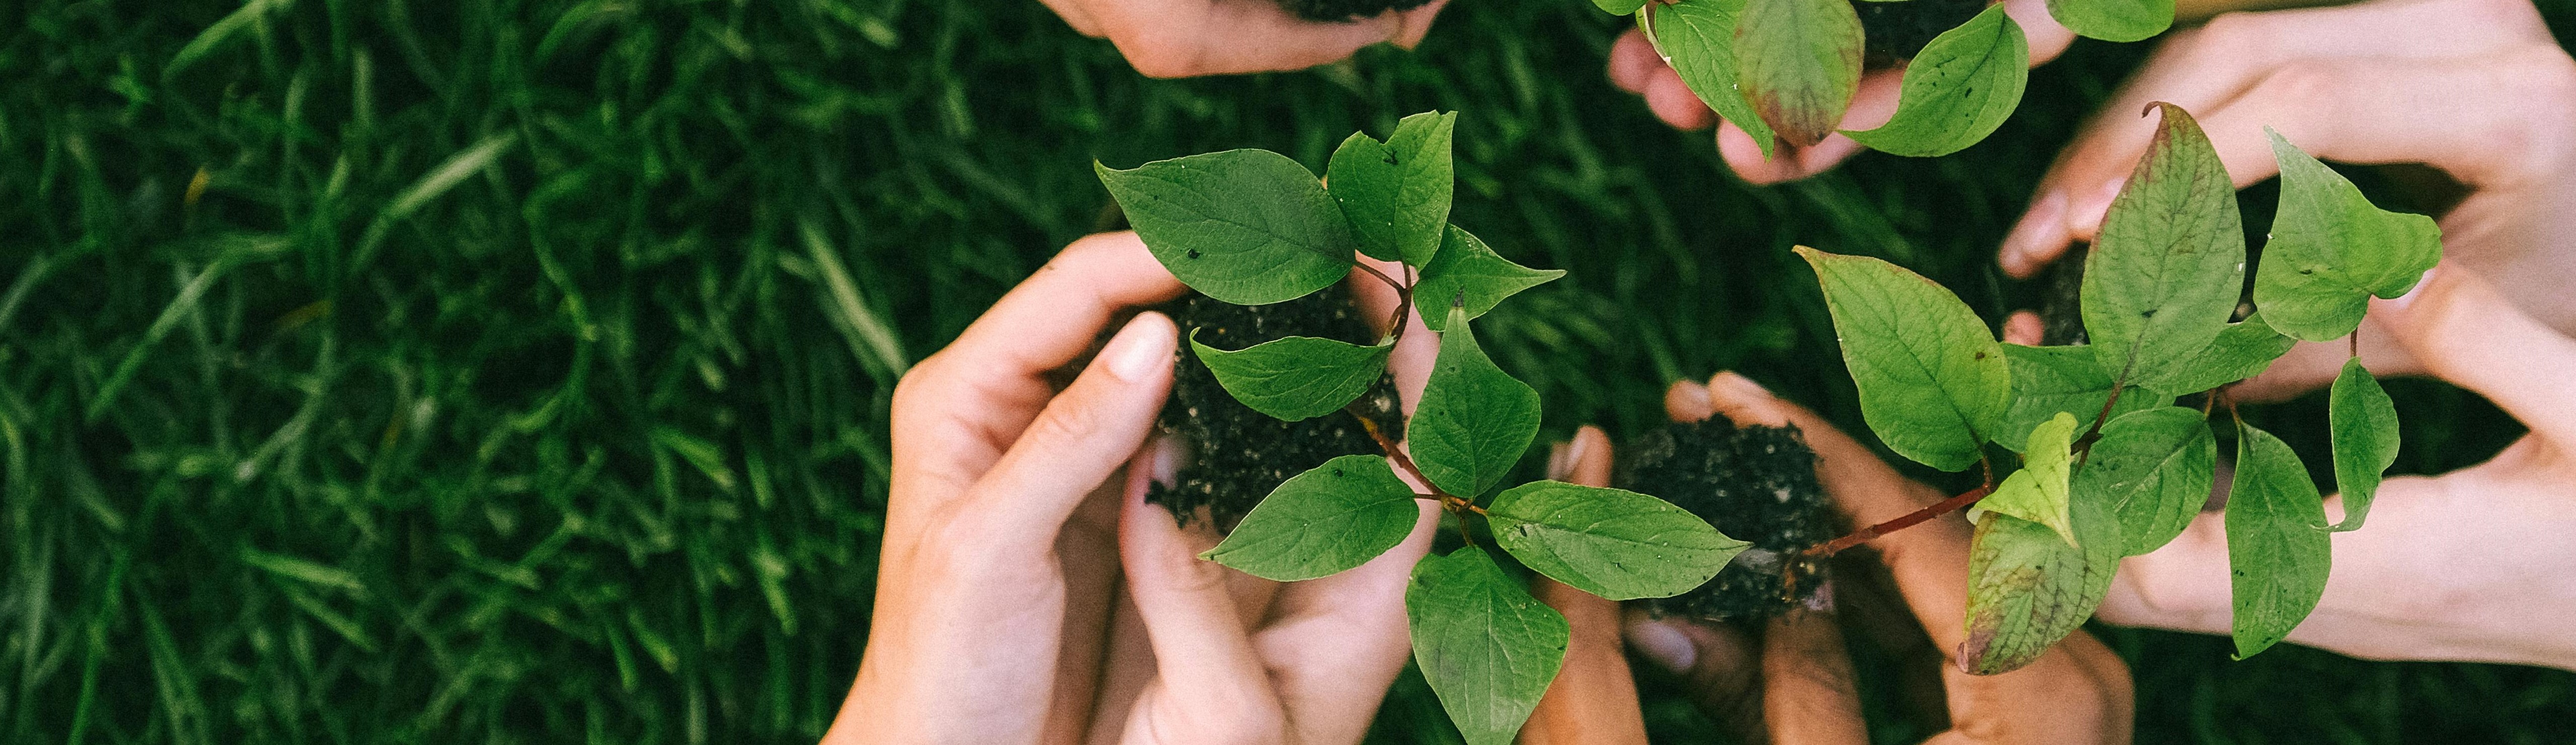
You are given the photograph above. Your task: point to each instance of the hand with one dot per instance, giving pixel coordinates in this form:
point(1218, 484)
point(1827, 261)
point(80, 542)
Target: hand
point(1185, 38)
point(2475, 88)
point(1636, 67)
point(1009, 523)
point(2464, 566)
point(1794, 685)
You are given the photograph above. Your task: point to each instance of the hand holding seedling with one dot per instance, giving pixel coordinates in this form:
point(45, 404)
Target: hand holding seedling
point(1793, 683)
point(1185, 38)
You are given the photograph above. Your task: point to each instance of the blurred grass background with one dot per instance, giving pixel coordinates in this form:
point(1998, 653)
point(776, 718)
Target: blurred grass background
point(516, 371)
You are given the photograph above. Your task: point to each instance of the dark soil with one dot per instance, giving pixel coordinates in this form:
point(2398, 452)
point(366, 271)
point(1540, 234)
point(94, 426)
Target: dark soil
point(1895, 31)
point(1343, 10)
point(1755, 484)
point(2061, 307)
point(1237, 455)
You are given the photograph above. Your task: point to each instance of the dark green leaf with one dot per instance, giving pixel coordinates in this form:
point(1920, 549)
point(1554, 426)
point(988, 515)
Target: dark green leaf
point(1248, 227)
point(2364, 426)
point(1798, 62)
point(2113, 20)
point(2047, 380)
point(1396, 193)
point(2154, 467)
point(2027, 588)
point(2242, 350)
point(1614, 543)
point(1466, 270)
point(2163, 275)
point(1485, 646)
point(1697, 39)
point(2277, 549)
point(2037, 492)
point(1332, 517)
point(2331, 250)
point(1958, 89)
point(1474, 421)
point(1297, 377)
point(1933, 381)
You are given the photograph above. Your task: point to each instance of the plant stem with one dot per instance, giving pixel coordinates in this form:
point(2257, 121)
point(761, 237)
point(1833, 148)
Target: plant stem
point(1873, 532)
point(1451, 501)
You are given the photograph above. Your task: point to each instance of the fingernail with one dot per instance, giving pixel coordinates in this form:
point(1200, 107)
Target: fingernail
point(2086, 216)
point(1561, 461)
point(1141, 349)
point(1738, 387)
point(2400, 302)
point(1665, 645)
point(1165, 466)
point(2046, 215)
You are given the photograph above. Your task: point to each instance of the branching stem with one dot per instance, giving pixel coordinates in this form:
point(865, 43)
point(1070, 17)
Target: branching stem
point(1871, 533)
point(1405, 462)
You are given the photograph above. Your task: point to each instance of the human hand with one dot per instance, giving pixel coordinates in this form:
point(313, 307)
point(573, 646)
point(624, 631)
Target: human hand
point(1185, 38)
point(2475, 88)
point(1636, 67)
point(1794, 684)
point(2468, 565)
point(1006, 533)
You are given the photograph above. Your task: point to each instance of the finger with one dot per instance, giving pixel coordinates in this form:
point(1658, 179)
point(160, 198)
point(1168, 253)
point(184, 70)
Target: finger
point(1182, 38)
point(1744, 156)
point(1084, 434)
point(1924, 559)
point(1088, 548)
point(2047, 37)
point(2311, 365)
point(1674, 102)
point(1633, 60)
point(1809, 696)
point(1209, 684)
point(1417, 24)
point(2023, 328)
point(2468, 334)
point(1688, 401)
point(1074, 15)
point(1720, 668)
point(1411, 360)
point(1334, 644)
point(1593, 700)
point(1873, 104)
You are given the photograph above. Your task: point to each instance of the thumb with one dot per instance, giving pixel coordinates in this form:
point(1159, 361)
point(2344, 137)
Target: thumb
point(2461, 330)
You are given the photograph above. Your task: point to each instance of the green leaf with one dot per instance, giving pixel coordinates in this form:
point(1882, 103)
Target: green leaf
point(2332, 249)
point(2242, 350)
point(2363, 423)
point(1396, 193)
point(1248, 227)
point(1466, 270)
point(1485, 646)
point(2113, 20)
point(1697, 39)
point(1474, 421)
point(2047, 380)
point(1332, 517)
point(1620, 7)
point(1933, 381)
point(2163, 275)
point(2027, 588)
point(1297, 377)
point(1798, 62)
point(2277, 553)
point(1618, 544)
point(2154, 467)
point(1958, 89)
point(2037, 492)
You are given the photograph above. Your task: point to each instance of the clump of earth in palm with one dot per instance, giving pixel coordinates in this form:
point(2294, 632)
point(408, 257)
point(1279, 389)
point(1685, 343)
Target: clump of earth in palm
point(1756, 484)
point(1894, 32)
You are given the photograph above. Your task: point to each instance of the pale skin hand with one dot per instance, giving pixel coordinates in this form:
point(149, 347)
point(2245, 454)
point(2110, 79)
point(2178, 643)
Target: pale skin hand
point(1185, 38)
point(1015, 508)
point(1794, 685)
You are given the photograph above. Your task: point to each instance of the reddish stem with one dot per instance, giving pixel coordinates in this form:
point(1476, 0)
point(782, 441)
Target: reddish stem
point(1872, 533)
point(1406, 462)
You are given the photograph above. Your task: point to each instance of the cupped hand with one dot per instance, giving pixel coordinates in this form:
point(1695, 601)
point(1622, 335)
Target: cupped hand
point(1636, 67)
point(1793, 685)
point(2469, 565)
point(1002, 612)
point(2475, 88)
point(1185, 38)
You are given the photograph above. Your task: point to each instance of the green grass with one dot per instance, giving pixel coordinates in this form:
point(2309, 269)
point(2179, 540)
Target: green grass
point(520, 374)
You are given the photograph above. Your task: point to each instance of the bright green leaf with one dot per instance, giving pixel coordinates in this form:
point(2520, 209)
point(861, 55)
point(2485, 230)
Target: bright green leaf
point(1468, 271)
point(1798, 62)
point(2163, 275)
point(2047, 380)
point(2331, 250)
point(1962, 86)
point(1248, 227)
point(1332, 517)
point(1297, 377)
point(2113, 20)
point(1474, 421)
point(2027, 588)
point(1397, 193)
point(1485, 646)
point(1620, 7)
point(2242, 350)
point(2154, 467)
point(1933, 381)
point(2363, 423)
point(1697, 39)
point(2037, 492)
point(2277, 551)
point(1614, 543)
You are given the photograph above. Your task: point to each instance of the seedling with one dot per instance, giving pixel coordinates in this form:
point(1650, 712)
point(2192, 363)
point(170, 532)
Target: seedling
point(1251, 227)
point(2109, 466)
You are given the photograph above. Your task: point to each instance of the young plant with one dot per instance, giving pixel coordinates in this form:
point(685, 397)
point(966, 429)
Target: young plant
point(2109, 466)
point(1787, 69)
point(1253, 227)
